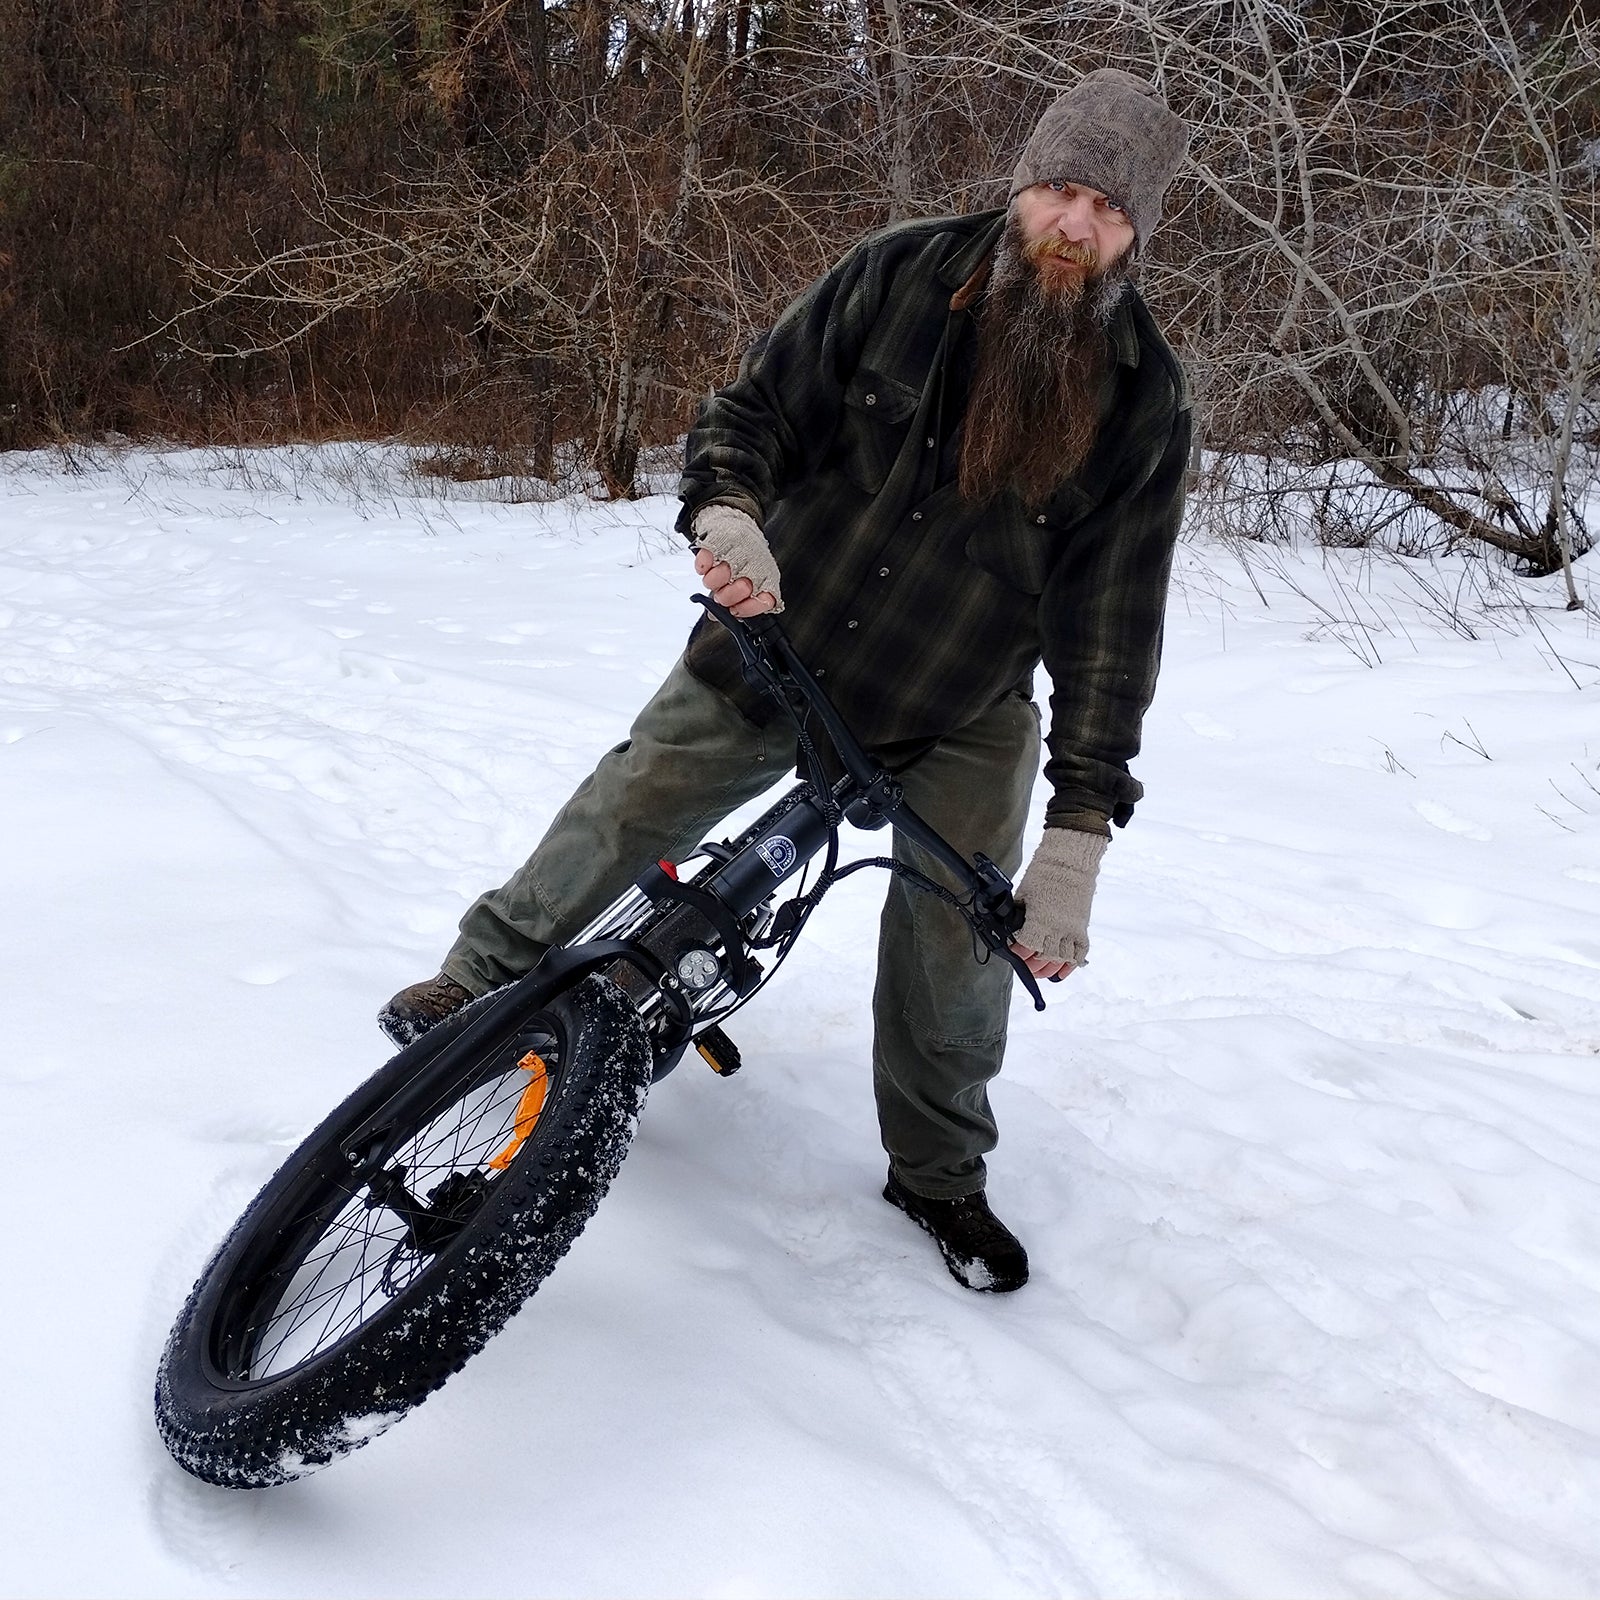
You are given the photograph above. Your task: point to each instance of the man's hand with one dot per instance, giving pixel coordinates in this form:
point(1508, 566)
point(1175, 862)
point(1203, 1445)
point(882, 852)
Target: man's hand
point(1041, 966)
point(1055, 893)
point(737, 594)
point(735, 561)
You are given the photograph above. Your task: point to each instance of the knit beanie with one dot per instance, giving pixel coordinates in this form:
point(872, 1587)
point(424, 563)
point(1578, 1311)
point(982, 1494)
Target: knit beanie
point(1111, 132)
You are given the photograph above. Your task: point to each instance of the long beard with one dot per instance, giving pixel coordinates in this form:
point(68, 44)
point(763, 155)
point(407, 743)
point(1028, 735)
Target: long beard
point(1033, 413)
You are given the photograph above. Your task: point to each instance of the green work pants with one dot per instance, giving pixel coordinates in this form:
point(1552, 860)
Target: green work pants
point(690, 758)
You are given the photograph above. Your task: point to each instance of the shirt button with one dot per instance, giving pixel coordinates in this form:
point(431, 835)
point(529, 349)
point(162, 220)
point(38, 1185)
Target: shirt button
point(1038, 519)
point(883, 572)
point(852, 624)
point(817, 672)
point(916, 516)
point(872, 399)
point(930, 444)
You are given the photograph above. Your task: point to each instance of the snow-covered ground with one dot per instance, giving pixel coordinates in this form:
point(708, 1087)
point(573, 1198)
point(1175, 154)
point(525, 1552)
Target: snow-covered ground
point(1307, 1158)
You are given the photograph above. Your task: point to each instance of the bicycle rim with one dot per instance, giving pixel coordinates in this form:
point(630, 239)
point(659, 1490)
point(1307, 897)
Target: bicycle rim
point(347, 1241)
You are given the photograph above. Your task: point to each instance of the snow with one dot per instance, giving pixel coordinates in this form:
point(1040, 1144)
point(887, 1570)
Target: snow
point(1305, 1158)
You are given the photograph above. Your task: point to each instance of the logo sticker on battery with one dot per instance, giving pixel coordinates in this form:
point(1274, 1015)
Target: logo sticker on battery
point(778, 852)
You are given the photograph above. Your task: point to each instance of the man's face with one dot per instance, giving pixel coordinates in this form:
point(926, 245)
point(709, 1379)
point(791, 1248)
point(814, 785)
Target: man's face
point(1072, 233)
point(1060, 270)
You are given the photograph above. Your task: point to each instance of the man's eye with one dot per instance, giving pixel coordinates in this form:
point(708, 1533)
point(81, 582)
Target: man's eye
point(1057, 185)
point(1115, 205)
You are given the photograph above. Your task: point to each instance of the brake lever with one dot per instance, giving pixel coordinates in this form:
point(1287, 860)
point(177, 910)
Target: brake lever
point(759, 665)
point(998, 908)
point(999, 941)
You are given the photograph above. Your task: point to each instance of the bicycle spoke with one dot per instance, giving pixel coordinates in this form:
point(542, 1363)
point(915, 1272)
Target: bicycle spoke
point(365, 1250)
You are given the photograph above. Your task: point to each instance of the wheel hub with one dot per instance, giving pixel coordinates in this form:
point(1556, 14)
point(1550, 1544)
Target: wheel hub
point(430, 1224)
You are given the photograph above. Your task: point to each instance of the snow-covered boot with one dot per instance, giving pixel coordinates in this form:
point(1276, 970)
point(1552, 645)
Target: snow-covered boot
point(979, 1249)
point(424, 1005)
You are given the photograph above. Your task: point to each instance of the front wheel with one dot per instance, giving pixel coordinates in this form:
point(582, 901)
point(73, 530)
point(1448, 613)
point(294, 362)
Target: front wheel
point(402, 1235)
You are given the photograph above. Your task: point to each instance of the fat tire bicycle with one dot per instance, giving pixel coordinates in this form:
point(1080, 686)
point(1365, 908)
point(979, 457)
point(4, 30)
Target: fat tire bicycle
point(411, 1224)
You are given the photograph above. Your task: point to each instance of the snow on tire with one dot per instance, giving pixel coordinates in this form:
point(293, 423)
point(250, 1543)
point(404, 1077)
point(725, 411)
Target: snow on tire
point(242, 1431)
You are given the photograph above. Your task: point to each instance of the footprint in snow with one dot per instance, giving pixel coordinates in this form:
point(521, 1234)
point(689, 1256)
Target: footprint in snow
point(263, 973)
point(1518, 1359)
point(358, 664)
point(1444, 818)
point(254, 1133)
point(1206, 727)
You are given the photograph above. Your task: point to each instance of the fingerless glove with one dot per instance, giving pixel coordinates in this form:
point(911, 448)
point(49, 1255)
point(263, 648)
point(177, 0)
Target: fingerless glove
point(731, 535)
point(1056, 892)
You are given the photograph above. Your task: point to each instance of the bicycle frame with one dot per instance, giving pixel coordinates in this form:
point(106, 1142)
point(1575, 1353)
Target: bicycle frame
point(684, 951)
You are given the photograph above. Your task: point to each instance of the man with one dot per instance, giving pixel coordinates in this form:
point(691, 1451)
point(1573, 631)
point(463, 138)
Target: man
point(960, 451)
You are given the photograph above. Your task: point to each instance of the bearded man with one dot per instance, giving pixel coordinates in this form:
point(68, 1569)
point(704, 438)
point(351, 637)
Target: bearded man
point(960, 452)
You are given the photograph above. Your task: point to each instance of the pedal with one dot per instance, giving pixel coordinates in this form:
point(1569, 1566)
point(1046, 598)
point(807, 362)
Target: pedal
point(721, 1053)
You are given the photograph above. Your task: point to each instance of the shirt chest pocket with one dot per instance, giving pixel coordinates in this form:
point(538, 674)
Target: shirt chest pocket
point(1021, 548)
point(877, 412)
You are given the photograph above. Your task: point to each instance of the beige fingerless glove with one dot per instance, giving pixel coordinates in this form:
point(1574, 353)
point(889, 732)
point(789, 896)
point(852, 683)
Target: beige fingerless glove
point(1056, 891)
point(732, 535)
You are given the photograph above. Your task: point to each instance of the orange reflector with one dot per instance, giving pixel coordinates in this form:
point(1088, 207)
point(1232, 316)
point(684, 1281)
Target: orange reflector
point(528, 1109)
point(668, 868)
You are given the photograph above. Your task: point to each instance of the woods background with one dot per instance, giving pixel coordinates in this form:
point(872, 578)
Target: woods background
point(532, 234)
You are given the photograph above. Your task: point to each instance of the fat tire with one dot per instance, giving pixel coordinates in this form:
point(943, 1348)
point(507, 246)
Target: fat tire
point(284, 1427)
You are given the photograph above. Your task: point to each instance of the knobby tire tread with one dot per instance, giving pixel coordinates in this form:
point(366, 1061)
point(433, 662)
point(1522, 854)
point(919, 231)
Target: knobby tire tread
point(296, 1423)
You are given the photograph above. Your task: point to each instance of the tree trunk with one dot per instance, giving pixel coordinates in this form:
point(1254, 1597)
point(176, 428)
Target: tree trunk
point(900, 178)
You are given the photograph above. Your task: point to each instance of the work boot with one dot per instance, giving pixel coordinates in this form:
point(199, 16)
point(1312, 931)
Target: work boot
point(979, 1249)
point(424, 1005)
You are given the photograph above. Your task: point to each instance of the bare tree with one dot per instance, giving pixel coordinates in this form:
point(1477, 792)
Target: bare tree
point(1389, 207)
point(1381, 251)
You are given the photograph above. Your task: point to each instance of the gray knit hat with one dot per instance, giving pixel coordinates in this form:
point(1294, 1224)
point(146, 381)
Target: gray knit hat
point(1112, 132)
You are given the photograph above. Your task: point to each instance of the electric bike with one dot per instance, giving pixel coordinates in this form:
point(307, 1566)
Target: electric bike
point(411, 1224)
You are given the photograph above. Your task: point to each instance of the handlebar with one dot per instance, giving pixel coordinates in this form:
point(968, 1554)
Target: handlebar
point(770, 660)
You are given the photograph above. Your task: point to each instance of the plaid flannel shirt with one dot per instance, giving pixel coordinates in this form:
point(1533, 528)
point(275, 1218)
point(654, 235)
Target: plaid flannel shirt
point(917, 609)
